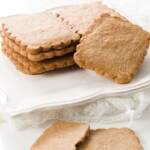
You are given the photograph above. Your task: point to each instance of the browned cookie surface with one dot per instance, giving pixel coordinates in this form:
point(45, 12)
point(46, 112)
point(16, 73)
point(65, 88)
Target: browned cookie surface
point(114, 48)
point(31, 67)
point(40, 55)
point(112, 139)
point(62, 136)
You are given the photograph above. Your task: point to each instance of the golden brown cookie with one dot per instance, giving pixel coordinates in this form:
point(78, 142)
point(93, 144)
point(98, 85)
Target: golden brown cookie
point(111, 139)
point(62, 136)
point(114, 48)
point(39, 32)
point(38, 56)
point(31, 67)
point(80, 17)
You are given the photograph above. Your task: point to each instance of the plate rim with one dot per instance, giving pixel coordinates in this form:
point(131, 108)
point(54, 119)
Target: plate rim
point(79, 101)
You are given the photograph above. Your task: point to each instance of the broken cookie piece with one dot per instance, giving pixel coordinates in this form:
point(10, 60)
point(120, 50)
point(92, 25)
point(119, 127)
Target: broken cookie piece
point(111, 139)
point(114, 48)
point(62, 136)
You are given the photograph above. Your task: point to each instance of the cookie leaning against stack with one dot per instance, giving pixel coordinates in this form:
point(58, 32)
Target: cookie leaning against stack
point(113, 47)
point(62, 136)
point(39, 42)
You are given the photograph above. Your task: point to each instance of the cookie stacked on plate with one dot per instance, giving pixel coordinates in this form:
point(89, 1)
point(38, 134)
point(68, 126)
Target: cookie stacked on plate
point(38, 43)
point(81, 17)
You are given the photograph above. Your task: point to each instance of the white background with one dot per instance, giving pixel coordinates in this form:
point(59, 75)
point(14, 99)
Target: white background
point(13, 139)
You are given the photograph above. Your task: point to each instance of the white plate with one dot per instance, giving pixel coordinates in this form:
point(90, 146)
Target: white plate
point(60, 88)
point(55, 89)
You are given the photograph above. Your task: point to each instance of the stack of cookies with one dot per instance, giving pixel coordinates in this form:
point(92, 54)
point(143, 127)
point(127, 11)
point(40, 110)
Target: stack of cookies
point(46, 41)
point(108, 43)
point(38, 43)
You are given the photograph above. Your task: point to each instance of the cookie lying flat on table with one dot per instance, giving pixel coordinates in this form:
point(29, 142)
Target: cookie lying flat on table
point(38, 56)
point(62, 136)
point(111, 139)
point(31, 67)
point(80, 17)
point(114, 48)
point(39, 32)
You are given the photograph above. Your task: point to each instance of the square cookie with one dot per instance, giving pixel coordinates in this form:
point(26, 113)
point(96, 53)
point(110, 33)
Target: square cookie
point(38, 56)
point(62, 136)
point(113, 47)
point(80, 17)
point(39, 32)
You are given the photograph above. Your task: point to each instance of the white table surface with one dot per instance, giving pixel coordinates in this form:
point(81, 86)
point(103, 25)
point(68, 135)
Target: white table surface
point(14, 139)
